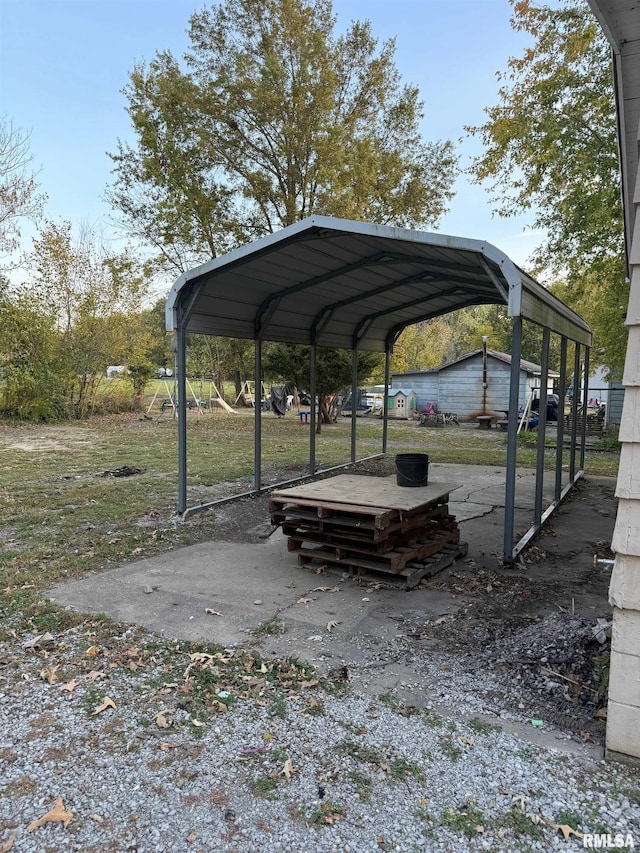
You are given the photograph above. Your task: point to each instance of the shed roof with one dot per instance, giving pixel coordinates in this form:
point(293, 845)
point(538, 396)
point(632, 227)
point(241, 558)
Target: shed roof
point(527, 366)
point(393, 392)
point(339, 283)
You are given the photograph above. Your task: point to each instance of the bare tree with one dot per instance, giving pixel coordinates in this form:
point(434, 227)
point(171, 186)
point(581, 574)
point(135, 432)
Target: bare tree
point(19, 198)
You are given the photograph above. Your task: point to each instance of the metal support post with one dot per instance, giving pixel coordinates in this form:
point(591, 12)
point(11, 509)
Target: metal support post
point(585, 401)
point(181, 402)
point(542, 428)
point(257, 416)
point(512, 440)
point(574, 413)
point(312, 410)
point(562, 393)
point(385, 417)
point(354, 393)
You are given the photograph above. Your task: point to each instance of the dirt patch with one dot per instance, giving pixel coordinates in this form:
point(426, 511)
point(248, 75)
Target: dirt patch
point(43, 439)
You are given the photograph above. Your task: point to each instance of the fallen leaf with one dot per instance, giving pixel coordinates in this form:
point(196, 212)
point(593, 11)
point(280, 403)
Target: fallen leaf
point(166, 745)
point(268, 736)
point(331, 625)
point(258, 601)
point(335, 589)
point(50, 674)
point(44, 641)
point(315, 638)
point(287, 770)
point(108, 703)
point(56, 815)
point(468, 740)
point(95, 674)
point(163, 719)
point(311, 683)
point(198, 724)
point(191, 837)
point(211, 612)
point(304, 600)
point(601, 714)
point(70, 686)
point(565, 829)
point(5, 846)
point(92, 651)
point(322, 589)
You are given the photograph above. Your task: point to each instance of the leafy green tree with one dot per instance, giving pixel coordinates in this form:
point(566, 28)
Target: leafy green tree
point(550, 148)
point(271, 118)
point(422, 346)
point(292, 364)
point(32, 374)
point(94, 299)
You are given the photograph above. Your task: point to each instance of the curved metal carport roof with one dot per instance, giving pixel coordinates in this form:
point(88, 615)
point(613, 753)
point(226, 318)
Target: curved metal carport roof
point(337, 283)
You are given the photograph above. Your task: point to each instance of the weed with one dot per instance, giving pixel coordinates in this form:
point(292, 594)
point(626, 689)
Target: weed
point(278, 706)
point(449, 749)
point(468, 820)
point(279, 756)
point(401, 769)
point(328, 813)
point(363, 782)
point(389, 701)
point(91, 700)
point(568, 817)
point(361, 752)
point(431, 719)
point(520, 825)
point(423, 814)
point(265, 787)
point(482, 727)
point(314, 707)
point(271, 626)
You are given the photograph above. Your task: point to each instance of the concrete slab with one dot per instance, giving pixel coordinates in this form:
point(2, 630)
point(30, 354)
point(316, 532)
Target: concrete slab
point(174, 593)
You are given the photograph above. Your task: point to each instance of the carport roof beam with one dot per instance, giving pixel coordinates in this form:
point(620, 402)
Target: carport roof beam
point(320, 262)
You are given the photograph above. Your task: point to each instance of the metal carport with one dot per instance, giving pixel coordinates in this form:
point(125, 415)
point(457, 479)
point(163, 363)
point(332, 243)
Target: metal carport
point(354, 285)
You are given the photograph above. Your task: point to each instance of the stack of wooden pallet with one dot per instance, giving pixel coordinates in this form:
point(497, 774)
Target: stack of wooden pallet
point(370, 524)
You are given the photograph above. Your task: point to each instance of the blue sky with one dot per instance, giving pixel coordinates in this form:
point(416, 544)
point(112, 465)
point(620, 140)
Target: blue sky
point(63, 64)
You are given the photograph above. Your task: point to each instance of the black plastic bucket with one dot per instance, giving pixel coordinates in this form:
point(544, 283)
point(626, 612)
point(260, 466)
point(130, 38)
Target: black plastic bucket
point(412, 469)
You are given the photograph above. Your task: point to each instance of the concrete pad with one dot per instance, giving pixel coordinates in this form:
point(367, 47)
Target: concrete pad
point(171, 593)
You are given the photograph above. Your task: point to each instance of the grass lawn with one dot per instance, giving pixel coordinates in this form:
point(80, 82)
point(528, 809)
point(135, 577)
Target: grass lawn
point(61, 518)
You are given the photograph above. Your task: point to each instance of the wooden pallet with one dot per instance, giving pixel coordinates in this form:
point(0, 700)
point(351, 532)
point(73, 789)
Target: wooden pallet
point(388, 561)
point(352, 525)
point(413, 572)
point(369, 524)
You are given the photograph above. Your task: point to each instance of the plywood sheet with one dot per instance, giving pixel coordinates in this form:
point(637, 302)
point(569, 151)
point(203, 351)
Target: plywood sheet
point(358, 490)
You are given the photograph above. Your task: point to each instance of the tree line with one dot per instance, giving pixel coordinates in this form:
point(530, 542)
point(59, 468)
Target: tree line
point(272, 116)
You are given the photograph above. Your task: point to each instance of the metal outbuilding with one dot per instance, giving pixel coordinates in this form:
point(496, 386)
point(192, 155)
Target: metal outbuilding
point(337, 283)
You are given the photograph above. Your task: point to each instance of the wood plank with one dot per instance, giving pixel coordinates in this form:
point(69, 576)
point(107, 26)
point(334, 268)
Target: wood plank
point(326, 509)
point(414, 573)
point(354, 489)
